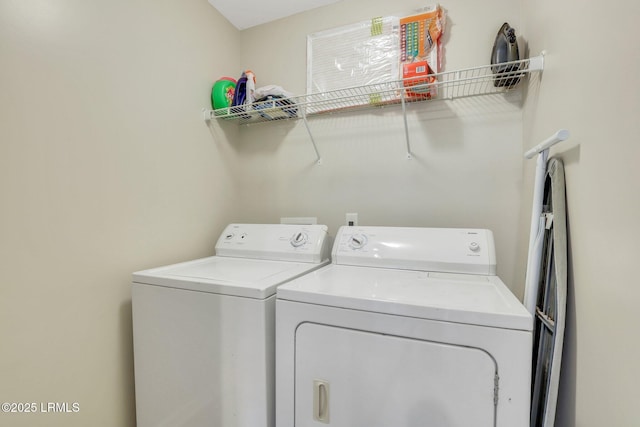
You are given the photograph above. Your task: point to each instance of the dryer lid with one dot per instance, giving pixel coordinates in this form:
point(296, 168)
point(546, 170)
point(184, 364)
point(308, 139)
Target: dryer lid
point(459, 298)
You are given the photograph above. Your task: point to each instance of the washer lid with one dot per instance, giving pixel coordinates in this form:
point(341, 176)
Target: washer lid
point(460, 298)
point(253, 278)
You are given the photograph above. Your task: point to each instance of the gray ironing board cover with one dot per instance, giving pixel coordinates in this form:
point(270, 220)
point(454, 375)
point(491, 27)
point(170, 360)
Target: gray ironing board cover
point(551, 301)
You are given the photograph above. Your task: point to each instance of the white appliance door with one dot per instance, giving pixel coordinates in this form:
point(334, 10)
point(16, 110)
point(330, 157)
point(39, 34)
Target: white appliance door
point(352, 378)
point(202, 359)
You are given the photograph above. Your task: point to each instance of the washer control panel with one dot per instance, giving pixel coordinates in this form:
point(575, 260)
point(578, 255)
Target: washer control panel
point(426, 249)
point(285, 242)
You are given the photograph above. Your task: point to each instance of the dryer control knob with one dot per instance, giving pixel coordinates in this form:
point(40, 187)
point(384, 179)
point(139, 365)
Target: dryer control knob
point(299, 239)
point(357, 241)
point(474, 246)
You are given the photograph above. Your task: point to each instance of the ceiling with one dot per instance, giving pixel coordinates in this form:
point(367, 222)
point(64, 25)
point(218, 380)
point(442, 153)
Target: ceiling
point(245, 14)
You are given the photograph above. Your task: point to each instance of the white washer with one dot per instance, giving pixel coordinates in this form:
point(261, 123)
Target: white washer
point(407, 327)
point(204, 330)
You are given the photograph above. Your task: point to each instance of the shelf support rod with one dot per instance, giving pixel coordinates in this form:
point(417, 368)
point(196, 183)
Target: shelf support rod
point(313, 141)
point(406, 125)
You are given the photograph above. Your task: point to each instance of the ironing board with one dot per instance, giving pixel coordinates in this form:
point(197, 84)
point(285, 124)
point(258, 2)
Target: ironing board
point(550, 307)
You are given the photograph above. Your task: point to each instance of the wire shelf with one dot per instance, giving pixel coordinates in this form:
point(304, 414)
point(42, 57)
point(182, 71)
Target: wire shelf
point(482, 80)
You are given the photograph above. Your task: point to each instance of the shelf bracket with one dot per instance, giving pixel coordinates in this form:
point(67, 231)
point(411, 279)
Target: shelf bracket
point(406, 125)
point(313, 141)
point(537, 62)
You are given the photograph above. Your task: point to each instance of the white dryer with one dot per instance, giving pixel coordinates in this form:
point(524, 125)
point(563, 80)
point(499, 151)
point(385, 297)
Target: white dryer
point(204, 330)
point(407, 327)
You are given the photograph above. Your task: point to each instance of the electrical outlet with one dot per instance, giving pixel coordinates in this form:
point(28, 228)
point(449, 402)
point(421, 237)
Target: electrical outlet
point(352, 219)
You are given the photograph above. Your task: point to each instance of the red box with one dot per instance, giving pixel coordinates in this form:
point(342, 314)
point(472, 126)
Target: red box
point(411, 76)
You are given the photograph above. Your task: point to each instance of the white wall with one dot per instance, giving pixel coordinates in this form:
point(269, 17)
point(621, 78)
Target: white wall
point(466, 168)
point(106, 167)
point(589, 87)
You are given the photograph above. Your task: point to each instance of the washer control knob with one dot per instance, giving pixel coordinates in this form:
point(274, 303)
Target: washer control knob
point(474, 246)
point(229, 236)
point(299, 239)
point(357, 241)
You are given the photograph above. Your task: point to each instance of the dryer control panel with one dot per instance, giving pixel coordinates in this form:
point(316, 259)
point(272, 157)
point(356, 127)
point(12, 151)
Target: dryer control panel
point(451, 250)
point(281, 242)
